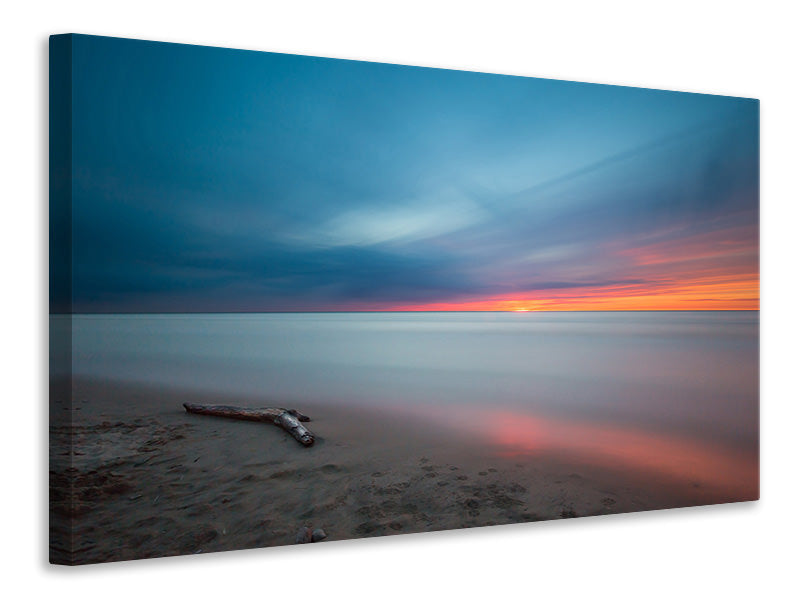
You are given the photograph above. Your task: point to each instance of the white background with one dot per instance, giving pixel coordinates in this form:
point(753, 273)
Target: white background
point(733, 48)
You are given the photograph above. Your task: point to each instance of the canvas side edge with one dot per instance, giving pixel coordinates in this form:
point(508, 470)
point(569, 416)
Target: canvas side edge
point(61, 474)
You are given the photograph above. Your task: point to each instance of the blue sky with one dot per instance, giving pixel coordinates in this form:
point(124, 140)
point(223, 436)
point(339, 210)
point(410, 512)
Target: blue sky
point(208, 179)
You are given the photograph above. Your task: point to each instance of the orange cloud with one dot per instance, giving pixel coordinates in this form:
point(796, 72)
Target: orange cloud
point(715, 270)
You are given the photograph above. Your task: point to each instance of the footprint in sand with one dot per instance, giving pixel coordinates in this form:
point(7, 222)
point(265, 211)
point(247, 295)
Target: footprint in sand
point(330, 468)
point(472, 506)
point(367, 528)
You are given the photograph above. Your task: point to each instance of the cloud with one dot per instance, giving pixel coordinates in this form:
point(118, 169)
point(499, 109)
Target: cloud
point(308, 184)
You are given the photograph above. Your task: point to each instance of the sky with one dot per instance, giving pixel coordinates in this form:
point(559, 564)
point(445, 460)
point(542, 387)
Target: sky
point(214, 180)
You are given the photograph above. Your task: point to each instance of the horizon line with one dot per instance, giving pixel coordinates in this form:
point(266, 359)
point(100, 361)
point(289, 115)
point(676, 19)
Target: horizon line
point(297, 312)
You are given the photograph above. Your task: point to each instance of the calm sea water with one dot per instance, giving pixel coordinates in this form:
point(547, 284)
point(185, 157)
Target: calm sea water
point(602, 380)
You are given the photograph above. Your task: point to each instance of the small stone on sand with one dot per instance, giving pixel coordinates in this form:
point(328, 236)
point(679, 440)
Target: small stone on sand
point(303, 536)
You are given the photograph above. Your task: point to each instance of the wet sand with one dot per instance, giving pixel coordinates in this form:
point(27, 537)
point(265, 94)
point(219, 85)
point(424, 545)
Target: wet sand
point(150, 480)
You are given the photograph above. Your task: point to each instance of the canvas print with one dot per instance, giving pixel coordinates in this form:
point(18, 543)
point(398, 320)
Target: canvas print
point(298, 300)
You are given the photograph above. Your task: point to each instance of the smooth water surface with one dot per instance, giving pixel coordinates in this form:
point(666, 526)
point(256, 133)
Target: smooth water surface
point(646, 387)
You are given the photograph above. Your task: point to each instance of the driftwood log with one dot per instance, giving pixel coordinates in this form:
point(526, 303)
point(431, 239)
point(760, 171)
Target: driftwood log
point(284, 418)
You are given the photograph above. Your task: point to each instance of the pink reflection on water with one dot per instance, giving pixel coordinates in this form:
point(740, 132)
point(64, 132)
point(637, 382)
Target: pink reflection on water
point(657, 454)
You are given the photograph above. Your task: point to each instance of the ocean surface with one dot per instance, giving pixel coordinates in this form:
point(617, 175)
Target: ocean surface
point(662, 390)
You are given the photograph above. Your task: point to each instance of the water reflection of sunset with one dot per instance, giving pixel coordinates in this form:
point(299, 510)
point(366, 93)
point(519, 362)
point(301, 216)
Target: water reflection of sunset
point(655, 454)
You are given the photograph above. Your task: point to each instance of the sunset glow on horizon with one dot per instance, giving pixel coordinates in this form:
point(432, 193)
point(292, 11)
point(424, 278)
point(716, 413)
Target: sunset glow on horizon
point(728, 295)
point(714, 271)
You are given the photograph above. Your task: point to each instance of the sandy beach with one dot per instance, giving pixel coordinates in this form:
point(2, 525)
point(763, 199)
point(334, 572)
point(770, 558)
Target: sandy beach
point(151, 480)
